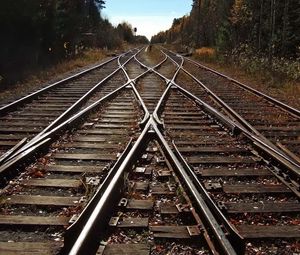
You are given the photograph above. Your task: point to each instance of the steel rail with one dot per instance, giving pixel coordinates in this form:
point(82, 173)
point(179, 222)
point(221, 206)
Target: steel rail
point(16, 150)
point(237, 116)
point(168, 81)
point(257, 141)
point(23, 152)
point(180, 66)
point(165, 94)
point(289, 161)
point(73, 231)
point(234, 126)
point(80, 101)
point(139, 98)
point(160, 104)
point(159, 74)
point(231, 112)
point(98, 218)
point(142, 105)
point(13, 150)
point(234, 236)
point(88, 225)
point(284, 106)
point(231, 125)
point(149, 130)
point(85, 243)
point(152, 69)
point(12, 164)
point(226, 106)
point(23, 100)
point(182, 60)
point(228, 123)
point(285, 153)
point(209, 217)
point(271, 149)
point(64, 116)
point(133, 82)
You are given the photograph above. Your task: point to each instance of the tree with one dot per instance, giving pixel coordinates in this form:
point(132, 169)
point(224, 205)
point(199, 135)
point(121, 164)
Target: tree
point(125, 32)
point(39, 32)
point(268, 27)
point(241, 17)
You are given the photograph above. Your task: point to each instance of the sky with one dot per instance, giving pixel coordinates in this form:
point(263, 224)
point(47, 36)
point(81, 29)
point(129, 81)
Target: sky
point(148, 16)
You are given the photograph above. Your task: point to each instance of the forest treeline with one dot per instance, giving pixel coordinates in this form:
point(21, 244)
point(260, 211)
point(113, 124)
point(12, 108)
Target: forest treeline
point(42, 32)
point(267, 27)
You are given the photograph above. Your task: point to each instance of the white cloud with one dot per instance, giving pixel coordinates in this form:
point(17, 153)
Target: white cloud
point(146, 25)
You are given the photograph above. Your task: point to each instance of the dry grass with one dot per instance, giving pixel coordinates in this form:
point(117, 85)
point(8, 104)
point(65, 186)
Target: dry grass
point(205, 53)
point(52, 74)
point(287, 91)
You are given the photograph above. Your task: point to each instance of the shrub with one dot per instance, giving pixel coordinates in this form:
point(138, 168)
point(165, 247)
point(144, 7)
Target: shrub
point(278, 67)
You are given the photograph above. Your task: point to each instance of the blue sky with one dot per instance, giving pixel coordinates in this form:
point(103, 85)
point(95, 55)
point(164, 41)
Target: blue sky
point(148, 16)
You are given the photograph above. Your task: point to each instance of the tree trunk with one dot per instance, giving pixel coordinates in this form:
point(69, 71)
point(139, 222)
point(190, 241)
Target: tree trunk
point(272, 28)
point(260, 23)
point(198, 29)
point(285, 25)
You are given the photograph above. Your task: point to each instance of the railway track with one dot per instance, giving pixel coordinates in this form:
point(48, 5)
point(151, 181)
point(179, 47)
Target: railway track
point(275, 120)
point(153, 211)
point(39, 203)
point(146, 167)
point(30, 115)
point(238, 180)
